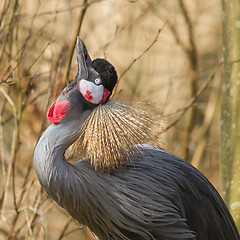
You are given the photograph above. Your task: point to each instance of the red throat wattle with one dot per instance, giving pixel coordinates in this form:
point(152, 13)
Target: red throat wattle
point(57, 111)
point(106, 93)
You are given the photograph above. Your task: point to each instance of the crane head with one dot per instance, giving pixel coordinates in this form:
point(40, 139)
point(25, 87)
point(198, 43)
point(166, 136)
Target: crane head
point(99, 124)
point(93, 85)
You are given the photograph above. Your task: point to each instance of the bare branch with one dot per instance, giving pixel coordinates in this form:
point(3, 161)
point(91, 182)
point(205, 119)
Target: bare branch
point(194, 100)
point(62, 235)
point(72, 47)
point(142, 54)
point(62, 10)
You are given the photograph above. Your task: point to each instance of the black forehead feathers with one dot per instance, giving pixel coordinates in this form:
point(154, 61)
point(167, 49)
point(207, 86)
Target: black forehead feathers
point(107, 73)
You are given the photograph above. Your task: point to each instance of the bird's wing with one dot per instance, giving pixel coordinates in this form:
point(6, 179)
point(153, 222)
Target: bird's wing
point(158, 196)
point(130, 203)
point(199, 202)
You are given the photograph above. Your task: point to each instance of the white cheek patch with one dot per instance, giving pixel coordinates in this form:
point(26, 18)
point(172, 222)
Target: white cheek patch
point(91, 92)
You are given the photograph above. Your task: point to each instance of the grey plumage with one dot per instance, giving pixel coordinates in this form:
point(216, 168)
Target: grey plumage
point(155, 197)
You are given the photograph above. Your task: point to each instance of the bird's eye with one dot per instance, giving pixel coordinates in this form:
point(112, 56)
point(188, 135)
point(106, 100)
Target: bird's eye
point(98, 81)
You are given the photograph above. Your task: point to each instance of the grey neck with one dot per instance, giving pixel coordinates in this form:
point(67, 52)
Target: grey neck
point(49, 152)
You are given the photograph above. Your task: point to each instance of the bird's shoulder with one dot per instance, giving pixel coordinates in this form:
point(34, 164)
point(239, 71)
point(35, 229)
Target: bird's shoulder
point(161, 191)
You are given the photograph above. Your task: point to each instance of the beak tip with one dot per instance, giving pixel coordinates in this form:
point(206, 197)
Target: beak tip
point(81, 53)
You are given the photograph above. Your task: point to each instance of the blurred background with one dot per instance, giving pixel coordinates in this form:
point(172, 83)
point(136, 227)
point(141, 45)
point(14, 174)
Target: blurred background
point(165, 53)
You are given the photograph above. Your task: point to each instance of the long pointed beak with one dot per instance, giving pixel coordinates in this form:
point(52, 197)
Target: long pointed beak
point(84, 61)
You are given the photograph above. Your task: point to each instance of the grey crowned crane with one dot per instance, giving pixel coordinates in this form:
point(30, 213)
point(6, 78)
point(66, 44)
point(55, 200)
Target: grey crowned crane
point(139, 192)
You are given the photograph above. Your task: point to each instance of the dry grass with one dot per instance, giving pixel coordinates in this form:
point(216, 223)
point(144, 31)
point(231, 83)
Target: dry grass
point(37, 39)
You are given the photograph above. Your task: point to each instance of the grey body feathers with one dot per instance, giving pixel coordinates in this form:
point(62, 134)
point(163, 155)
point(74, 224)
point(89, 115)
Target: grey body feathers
point(153, 197)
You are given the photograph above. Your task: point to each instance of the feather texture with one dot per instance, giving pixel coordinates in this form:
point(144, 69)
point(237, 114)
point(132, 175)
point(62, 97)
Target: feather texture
point(110, 134)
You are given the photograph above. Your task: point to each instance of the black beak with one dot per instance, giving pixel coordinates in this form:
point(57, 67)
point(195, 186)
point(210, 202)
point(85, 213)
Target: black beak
point(84, 62)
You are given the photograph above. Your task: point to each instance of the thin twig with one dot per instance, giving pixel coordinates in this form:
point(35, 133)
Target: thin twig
point(62, 235)
point(194, 100)
point(137, 58)
point(108, 45)
point(4, 8)
point(74, 39)
point(15, 145)
point(2, 152)
point(120, 31)
point(13, 149)
point(28, 223)
point(71, 231)
point(41, 53)
point(146, 50)
point(63, 10)
point(8, 38)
